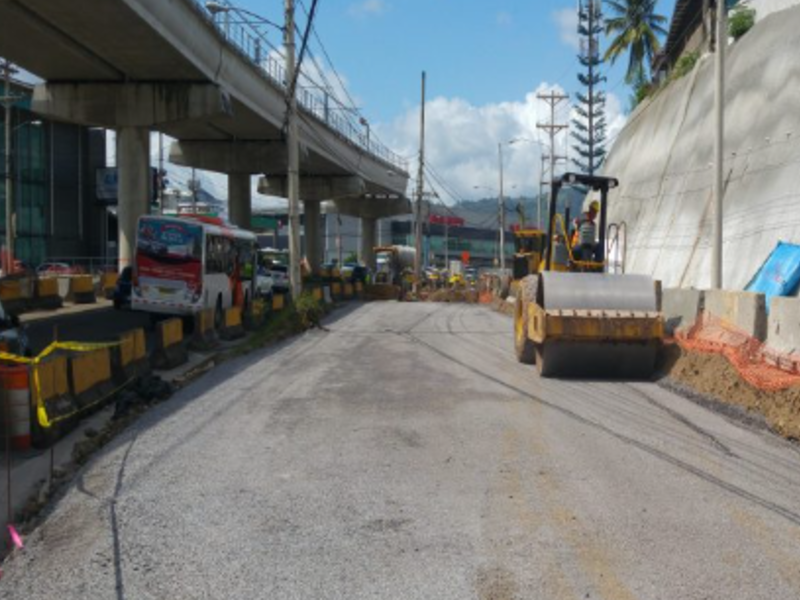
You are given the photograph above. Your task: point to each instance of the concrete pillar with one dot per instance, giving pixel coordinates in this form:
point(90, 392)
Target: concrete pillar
point(133, 163)
point(368, 241)
point(240, 211)
point(313, 238)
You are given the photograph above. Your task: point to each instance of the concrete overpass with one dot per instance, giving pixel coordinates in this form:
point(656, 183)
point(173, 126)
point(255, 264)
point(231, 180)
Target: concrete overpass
point(142, 65)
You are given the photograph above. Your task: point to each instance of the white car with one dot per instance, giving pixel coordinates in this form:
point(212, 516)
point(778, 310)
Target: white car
point(264, 285)
point(280, 277)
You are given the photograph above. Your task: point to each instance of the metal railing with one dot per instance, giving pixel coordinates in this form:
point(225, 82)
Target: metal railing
point(313, 100)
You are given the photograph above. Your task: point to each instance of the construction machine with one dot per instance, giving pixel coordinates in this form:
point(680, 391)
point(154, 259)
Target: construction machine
point(571, 316)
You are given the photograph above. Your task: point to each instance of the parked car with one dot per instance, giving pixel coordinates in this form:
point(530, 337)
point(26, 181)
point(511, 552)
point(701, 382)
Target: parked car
point(264, 283)
point(122, 291)
point(280, 277)
point(58, 268)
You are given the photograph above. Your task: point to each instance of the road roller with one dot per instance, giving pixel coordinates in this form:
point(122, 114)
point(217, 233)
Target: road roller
point(572, 318)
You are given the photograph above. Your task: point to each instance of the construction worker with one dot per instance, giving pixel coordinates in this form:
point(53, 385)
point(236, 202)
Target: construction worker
point(584, 239)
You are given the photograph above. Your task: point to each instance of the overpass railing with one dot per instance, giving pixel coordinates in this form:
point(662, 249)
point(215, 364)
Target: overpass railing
point(314, 100)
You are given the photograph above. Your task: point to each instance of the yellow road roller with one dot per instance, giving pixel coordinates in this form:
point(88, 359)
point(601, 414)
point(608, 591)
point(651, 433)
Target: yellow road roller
point(572, 318)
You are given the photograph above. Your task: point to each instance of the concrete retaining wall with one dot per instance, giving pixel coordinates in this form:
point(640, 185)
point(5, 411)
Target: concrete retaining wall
point(784, 325)
point(681, 308)
point(663, 159)
point(746, 311)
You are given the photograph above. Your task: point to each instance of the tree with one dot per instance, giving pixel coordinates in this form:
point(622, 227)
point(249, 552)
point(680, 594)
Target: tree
point(589, 126)
point(636, 27)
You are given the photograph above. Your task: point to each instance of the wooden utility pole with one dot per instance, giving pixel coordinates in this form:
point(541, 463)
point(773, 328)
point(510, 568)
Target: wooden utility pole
point(420, 191)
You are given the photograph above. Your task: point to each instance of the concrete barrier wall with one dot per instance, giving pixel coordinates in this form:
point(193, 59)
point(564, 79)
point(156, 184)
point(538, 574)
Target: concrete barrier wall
point(170, 352)
point(747, 311)
point(681, 308)
point(783, 328)
point(53, 379)
point(664, 154)
point(81, 289)
point(232, 327)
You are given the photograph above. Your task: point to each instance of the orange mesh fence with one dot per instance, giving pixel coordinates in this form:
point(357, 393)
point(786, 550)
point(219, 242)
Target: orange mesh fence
point(760, 366)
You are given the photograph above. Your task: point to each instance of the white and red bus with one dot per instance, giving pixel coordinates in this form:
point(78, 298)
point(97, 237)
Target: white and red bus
point(185, 264)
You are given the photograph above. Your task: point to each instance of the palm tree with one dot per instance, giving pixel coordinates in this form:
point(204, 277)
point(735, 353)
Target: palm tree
point(637, 28)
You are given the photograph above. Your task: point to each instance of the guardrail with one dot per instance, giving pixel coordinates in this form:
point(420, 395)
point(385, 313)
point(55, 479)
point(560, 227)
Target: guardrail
point(314, 101)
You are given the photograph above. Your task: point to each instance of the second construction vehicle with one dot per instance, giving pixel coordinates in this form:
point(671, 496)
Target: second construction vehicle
point(573, 318)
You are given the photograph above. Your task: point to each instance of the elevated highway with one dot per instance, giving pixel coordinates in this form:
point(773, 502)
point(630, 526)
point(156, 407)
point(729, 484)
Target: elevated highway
point(138, 66)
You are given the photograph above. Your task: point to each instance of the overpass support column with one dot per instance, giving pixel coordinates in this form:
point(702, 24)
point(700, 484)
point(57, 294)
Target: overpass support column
point(313, 239)
point(239, 192)
point(368, 241)
point(133, 162)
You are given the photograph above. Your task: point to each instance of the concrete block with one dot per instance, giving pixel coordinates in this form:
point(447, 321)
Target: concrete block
point(348, 290)
point(746, 311)
point(783, 327)
point(681, 308)
point(47, 293)
point(278, 302)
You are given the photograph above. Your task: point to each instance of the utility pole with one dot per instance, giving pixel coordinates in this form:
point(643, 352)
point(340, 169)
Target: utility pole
point(420, 190)
point(553, 100)
point(293, 174)
point(501, 220)
point(8, 102)
point(719, 143)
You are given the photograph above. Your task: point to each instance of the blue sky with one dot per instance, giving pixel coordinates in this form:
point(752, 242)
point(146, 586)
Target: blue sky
point(484, 51)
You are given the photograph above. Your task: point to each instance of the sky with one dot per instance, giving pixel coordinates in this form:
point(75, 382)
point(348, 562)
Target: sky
point(485, 61)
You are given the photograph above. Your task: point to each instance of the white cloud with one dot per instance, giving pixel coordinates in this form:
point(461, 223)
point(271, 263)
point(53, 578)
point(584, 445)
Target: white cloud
point(461, 141)
point(567, 21)
point(367, 8)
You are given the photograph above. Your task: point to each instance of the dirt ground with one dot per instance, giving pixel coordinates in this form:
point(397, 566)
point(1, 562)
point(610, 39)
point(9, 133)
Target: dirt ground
point(469, 295)
point(711, 375)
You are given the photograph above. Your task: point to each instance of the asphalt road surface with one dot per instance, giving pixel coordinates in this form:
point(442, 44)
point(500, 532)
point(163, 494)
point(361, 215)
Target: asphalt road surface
point(404, 454)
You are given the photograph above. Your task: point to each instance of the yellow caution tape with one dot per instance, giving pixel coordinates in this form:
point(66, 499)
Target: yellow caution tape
point(41, 409)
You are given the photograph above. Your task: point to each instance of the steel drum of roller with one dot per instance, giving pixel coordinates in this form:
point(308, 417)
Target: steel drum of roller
point(601, 359)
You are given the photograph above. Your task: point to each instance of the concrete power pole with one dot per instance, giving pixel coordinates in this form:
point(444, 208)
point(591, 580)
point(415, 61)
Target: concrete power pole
point(501, 218)
point(719, 143)
point(420, 192)
point(293, 172)
point(553, 129)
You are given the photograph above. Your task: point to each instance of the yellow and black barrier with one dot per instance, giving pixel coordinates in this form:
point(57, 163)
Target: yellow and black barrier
point(81, 289)
point(232, 326)
point(170, 351)
point(204, 336)
point(129, 357)
point(47, 295)
point(255, 315)
point(349, 292)
point(278, 302)
point(108, 282)
point(90, 376)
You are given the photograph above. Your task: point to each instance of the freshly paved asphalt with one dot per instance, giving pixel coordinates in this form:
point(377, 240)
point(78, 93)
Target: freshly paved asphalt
point(405, 454)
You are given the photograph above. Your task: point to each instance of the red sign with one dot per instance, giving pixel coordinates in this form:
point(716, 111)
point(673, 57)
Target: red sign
point(446, 220)
point(465, 257)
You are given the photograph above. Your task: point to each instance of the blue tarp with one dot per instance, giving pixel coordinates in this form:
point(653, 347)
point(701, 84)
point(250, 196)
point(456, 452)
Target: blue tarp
point(780, 273)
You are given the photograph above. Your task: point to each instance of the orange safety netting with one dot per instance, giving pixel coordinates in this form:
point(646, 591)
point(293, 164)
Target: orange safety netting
point(760, 366)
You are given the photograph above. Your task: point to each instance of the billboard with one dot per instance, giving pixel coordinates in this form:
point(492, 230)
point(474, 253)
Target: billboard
point(448, 220)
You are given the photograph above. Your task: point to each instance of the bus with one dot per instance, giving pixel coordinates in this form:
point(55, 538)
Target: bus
point(185, 264)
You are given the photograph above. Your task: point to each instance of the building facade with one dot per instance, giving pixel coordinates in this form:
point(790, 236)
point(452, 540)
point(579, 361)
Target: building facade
point(53, 187)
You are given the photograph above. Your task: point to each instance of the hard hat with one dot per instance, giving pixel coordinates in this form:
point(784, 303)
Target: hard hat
point(594, 206)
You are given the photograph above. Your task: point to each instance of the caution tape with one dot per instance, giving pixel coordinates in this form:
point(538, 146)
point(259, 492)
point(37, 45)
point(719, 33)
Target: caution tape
point(41, 410)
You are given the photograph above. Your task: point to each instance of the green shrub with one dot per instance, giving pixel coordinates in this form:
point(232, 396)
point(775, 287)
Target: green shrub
point(741, 21)
point(309, 309)
point(685, 65)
